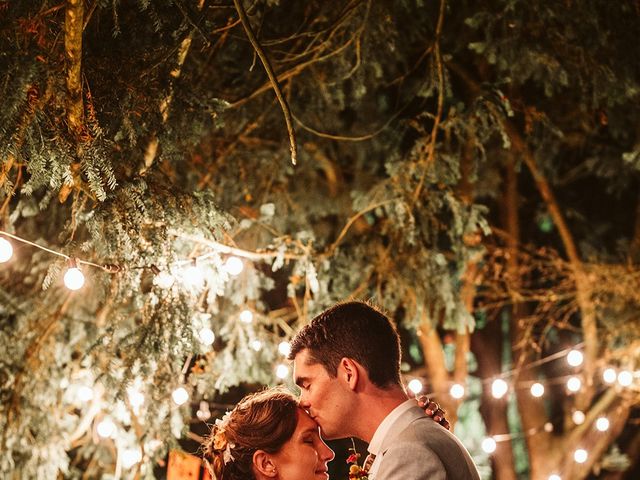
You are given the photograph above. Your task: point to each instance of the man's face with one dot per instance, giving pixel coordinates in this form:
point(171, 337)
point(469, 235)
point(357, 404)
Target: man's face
point(326, 399)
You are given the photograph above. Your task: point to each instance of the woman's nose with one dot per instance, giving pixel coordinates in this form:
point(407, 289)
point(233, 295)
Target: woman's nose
point(326, 453)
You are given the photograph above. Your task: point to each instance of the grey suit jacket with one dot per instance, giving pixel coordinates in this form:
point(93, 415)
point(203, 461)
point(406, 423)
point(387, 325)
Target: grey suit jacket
point(417, 448)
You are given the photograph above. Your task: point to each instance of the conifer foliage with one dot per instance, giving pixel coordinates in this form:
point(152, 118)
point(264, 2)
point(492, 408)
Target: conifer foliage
point(472, 166)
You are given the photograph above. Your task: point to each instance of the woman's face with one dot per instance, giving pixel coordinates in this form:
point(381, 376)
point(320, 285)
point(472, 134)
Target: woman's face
point(305, 455)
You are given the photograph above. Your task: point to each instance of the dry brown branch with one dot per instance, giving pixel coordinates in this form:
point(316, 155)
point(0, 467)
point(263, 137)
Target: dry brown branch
point(73, 26)
point(272, 77)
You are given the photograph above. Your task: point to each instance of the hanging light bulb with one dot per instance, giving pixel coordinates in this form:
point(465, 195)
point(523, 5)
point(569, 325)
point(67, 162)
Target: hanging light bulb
point(193, 275)
point(415, 386)
point(85, 394)
point(489, 445)
point(73, 277)
point(578, 417)
point(457, 391)
point(256, 345)
point(106, 428)
point(180, 396)
point(282, 371)
point(203, 413)
point(625, 378)
point(246, 316)
point(575, 358)
point(548, 427)
point(580, 455)
point(130, 457)
point(609, 375)
point(207, 337)
point(574, 384)
point(6, 250)
point(164, 280)
point(233, 266)
point(602, 424)
point(284, 348)
point(499, 388)
point(537, 390)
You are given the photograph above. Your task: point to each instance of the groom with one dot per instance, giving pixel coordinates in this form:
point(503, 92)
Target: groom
point(347, 365)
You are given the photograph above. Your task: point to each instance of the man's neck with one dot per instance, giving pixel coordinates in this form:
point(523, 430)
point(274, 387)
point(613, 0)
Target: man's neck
point(374, 406)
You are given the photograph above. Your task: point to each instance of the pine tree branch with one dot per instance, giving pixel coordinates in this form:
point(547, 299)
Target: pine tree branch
point(73, 26)
point(272, 78)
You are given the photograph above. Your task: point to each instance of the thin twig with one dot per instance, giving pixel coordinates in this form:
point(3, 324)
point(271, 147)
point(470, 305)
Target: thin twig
point(272, 77)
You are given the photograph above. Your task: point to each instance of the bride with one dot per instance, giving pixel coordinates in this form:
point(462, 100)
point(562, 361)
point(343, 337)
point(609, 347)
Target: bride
point(267, 436)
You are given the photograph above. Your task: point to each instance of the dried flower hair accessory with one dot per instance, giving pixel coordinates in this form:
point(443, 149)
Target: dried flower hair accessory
point(220, 441)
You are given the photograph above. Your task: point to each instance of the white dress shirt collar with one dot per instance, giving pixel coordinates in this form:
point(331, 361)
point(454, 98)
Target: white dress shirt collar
point(383, 429)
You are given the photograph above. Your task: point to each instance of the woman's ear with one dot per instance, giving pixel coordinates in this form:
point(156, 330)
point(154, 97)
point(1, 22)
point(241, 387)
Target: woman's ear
point(348, 369)
point(264, 464)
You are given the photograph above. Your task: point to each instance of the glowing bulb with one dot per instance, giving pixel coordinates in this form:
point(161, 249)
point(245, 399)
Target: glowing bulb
point(575, 358)
point(106, 428)
point(578, 417)
point(282, 371)
point(457, 391)
point(85, 394)
point(193, 276)
point(136, 398)
point(233, 266)
point(73, 278)
point(203, 412)
point(246, 316)
point(256, 345)
point(574, 384)
point(180, 396)
point(602, 424)
point(580, 455)
point(164, 280)
point(499, 388)
point(130, 457)
point(415, 386)
point(548, 427)
point(489, 445)
point(6, 250)
point(554, 476)
point(207, 337)
point(537, 390)
point(609, 375)
point(284, 348)
point(625, 378)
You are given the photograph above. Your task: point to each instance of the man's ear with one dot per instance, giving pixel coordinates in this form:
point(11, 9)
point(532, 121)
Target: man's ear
point(349, 370)
point(263, 463)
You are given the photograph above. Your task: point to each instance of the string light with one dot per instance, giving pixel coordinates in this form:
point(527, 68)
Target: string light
point(6, 250)
point(193, 276)
point(457, 391)
point(164, 280)
point(575, 358)
point(233, 266)
point(85, 394)
point(554, 476)
point(580, 455)
point(574, 384)
point(246, 316)
point(602, 424)
point(106, 428)
point(489, 445)
point(136, 398)
point(282, 371)
point(180, 396)
point(499, 388)
point(537, 390)
point(203, 412)
point(578, 417)
point(130, 457)
point(609, 375)
point(73, 277)
point(625, 378)
point(256, 345)
point(415, 386)
point(284, 348)
point(206, 335)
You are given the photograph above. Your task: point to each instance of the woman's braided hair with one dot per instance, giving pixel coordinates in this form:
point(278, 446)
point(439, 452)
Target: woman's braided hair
point(261, 421)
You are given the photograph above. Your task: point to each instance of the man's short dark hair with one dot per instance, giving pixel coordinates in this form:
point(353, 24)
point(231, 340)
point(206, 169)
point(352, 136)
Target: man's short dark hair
point(355, 330)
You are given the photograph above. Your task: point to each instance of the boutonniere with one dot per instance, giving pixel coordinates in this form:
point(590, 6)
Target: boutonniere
point(356, 472)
